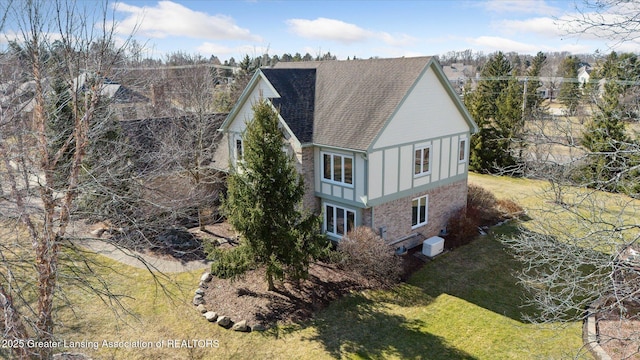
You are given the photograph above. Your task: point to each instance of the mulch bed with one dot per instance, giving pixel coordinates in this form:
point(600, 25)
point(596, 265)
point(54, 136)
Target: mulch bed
point(248, 298)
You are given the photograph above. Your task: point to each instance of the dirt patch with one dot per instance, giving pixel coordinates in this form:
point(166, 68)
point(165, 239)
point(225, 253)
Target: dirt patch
point(248, 298)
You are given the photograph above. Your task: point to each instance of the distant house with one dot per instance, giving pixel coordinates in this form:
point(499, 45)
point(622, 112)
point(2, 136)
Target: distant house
point(458, 75)
point(584, 74)
point(382, 143)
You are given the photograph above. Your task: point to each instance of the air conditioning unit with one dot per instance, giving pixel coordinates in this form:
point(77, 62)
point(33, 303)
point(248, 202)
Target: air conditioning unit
point(433, 246)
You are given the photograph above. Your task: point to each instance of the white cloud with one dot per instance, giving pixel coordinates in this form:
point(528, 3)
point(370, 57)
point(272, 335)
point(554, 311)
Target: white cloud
point(521, 6)
point(541, 25)
point(168, 18)
point(343, 32)
point(494, 43)
point(329, 29)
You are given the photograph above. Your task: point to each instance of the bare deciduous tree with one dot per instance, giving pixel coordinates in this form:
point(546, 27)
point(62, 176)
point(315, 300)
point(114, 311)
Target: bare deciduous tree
point(63, 55)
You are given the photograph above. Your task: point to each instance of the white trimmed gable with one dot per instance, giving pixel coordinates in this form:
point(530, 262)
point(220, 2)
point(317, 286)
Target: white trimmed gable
point(427, 112)
point(244, 114)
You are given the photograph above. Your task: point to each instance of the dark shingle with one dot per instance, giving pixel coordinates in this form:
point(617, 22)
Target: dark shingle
point(353, 99)
point(297, 98)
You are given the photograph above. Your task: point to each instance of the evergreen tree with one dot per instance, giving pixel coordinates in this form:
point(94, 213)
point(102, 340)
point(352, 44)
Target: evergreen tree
point(110, 191)
point(570, 93)
point(496, 105)
point(605, 135)
point(263, 204)
point(534, 107)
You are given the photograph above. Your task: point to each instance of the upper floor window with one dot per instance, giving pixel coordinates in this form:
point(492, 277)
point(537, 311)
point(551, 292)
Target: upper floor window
point(239, 150)
point(337, 168)
point(462, 150)
point(422, 161)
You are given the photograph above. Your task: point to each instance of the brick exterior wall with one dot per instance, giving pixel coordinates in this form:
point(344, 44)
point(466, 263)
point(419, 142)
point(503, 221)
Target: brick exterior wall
point(310, 202)
point(396, 214)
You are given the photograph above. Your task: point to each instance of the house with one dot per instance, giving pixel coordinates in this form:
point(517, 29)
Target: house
point(584, 74)
point(459, 74)
point(382, 143)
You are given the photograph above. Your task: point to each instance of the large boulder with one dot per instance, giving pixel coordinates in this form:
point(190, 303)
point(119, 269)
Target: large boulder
point(211, 316)
point(224, 321)
point(241, 326)
point(198, 299)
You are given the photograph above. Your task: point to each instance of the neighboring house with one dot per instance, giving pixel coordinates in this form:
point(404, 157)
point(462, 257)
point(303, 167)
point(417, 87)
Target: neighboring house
point(382, 143)
point(459, 75)
point(584, 74)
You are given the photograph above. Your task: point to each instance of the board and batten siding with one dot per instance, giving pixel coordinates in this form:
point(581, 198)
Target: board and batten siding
point(352, 195)
point(391, 170)
point(427, 117)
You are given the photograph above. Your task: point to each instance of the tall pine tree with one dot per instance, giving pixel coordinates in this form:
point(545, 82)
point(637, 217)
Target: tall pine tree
point(496, 105)
point(605, 136)
point(264, 204)
point(570, 92)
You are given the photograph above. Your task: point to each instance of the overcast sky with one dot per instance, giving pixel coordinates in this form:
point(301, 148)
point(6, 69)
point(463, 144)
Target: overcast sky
point(233, 28)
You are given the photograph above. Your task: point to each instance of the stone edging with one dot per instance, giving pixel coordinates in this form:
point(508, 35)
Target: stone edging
point(211, 316)
point(590, 337)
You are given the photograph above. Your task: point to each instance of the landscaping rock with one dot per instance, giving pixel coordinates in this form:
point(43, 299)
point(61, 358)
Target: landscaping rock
point(202, 309)
point(211, 316)
point(206, 277)
point(197, 300)
point(224, 321)
point(258, 327)
point(241, 326)
point(199, 291)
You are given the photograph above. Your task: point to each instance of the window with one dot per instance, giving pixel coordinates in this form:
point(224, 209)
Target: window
point(338, 221)
point(239, 152)
point(422, 161)
point(462, 150)
point(337, 168)
point(419, 211)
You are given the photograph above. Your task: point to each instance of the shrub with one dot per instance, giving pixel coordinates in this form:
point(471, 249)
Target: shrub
point(463, 228)
point(483, 209)
point(365, 252)
point(482, 203)
point(231, 263)
point(509, 208)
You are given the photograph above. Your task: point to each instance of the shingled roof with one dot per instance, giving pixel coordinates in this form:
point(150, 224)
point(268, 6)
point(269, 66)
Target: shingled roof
point(297, 97)
point(342, 104)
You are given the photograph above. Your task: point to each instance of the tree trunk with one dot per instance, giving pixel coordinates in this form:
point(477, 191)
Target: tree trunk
point(270, 286)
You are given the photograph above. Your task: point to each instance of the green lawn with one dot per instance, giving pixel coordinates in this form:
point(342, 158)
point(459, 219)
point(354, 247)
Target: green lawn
point(463, 305)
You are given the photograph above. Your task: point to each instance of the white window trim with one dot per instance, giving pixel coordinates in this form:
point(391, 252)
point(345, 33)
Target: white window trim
point(335, 209)
point(413, 169)
point(466, 149)
point(426, 210)
point(237, 160)
point(331, 181)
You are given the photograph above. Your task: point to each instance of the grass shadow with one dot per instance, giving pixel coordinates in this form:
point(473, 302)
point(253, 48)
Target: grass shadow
point(346, 331)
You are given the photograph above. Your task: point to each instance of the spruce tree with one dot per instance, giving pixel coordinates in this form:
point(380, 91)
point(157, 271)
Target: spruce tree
point(605, 136)
point(496, 105)
point(263, 204)
point(570, 93)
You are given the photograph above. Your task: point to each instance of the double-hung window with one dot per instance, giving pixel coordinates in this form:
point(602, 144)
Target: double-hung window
point(422, 161)
point(337, 168)
point(338, 220)
point(419, 211)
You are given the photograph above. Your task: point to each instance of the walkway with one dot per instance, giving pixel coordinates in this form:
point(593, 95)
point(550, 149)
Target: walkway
point(139, 260)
